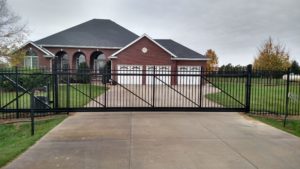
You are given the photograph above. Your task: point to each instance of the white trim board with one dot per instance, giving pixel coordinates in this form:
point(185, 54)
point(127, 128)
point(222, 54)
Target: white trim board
point(45, 51)
point(203, 59)
point(139, 38)
point(85, 47)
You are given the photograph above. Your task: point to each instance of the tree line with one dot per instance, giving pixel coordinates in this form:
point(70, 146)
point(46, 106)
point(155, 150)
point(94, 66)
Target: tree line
point(271, 57)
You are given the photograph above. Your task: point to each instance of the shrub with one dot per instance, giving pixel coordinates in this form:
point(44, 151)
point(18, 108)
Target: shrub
point(27, 78)
point(83, 73)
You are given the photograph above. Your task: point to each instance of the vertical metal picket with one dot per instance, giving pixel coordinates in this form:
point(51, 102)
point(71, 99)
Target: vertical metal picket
point(55, 84)
point(32, 104)
point(68, 90)
point(105, 76)
point(153, 89)
point(287, 97)
point(201, 86)
point(17, 92)
point(248, 89)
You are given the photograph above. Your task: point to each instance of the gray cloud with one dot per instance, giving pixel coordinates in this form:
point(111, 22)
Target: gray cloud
point(234, 28)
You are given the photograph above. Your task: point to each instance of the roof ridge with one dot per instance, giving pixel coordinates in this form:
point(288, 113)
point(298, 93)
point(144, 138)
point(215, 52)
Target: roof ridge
point(94, 32)
point(64, 30)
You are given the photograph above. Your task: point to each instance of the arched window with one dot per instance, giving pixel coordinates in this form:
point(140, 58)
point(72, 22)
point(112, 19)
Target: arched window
point(31, 59)
point(80, 58)
point(99, 62)
point(65, 61)
point(62, 60)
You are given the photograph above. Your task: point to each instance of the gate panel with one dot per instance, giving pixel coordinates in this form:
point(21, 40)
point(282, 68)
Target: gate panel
point(88, 90)
point(16, 86)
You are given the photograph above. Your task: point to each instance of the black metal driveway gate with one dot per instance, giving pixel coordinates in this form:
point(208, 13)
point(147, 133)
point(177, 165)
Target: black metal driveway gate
point(85, 90)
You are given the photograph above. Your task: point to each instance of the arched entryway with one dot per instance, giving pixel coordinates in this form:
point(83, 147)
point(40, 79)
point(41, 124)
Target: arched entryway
point(62, 60)
point(97, 61)
point(78, 59)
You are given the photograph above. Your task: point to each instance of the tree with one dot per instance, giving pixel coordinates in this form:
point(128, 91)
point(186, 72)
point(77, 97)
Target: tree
point(2, 64)
point(295, 68)
point(12, 34)
point(213, 62)
point(231, 68)
point(272, 57)
point(16, 58)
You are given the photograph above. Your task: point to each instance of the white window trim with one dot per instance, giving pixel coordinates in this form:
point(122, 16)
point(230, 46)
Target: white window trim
point(31, 61)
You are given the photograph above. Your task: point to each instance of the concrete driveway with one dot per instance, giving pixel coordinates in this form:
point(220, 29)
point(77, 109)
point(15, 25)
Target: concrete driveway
point(165, 96)
point(156, 140)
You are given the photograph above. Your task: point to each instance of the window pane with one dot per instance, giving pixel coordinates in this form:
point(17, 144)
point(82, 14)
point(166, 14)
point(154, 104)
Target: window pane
point(35, 61)
point(27, 61)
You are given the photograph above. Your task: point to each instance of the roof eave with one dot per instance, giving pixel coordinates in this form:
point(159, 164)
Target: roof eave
point(200, 59)
point(73, 46)
point(136, 40)
point(39, 48)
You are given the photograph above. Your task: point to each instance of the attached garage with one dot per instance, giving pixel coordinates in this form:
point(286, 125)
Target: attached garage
point(188, 75)
point(129, 69)
point(159, 69)
point(166, 56)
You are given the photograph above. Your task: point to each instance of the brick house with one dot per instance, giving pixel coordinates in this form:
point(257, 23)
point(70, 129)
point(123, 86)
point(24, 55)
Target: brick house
point(100, 43)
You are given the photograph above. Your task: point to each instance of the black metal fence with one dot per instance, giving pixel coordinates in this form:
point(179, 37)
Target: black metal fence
point(70, 90)
point(275, 92)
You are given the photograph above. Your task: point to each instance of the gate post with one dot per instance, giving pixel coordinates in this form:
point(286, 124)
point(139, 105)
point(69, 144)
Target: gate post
point(105, 76)
point(32, 114)
point(248, 88)
point(153, 89)
point(201, 85)
point(55, 84)
point(17, 92)
point(68, 90)
point(287, 97)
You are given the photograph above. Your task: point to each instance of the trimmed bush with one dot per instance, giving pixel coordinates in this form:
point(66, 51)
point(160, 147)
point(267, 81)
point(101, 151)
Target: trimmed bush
point(28, 79)
point(83, 73)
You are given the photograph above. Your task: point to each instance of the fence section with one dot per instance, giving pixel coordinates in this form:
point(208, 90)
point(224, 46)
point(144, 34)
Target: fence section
point(155, 89)
point(275, 92)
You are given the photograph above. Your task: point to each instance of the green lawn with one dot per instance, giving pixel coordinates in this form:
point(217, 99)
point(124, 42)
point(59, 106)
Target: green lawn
point(264, 98)
point(292, 126)
point(16, 138)
point(79, 96)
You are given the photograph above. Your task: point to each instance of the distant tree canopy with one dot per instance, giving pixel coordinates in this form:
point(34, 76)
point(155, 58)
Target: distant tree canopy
point(295, 68)
point(212, 64)
point(229, 67)
point(272, 57)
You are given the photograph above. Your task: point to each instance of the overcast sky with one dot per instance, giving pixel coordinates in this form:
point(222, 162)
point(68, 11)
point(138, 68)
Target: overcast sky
point(233, 28)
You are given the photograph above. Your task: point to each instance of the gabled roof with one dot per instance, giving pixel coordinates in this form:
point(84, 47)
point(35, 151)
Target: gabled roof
point(176, 50)
point(101, 33)
point(136, 40)
point(45, 51)
point(182, 52)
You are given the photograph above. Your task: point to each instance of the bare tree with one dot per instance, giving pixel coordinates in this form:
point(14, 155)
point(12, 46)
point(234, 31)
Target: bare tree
point(12, 32)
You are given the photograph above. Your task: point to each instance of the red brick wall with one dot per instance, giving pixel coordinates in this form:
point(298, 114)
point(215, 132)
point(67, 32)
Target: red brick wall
point(43, 62)
point(134, 56)
point(86, 51)
point(155, 56)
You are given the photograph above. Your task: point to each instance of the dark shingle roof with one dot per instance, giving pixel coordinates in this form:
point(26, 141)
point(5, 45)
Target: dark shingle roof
point(178, 49)
point(96, 32)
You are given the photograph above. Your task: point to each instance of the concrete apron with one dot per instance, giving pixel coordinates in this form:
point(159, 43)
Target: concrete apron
point(167, 140)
